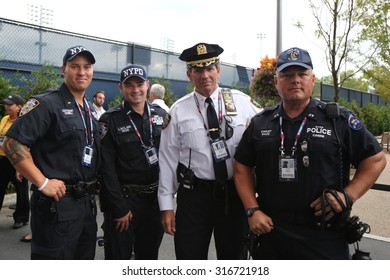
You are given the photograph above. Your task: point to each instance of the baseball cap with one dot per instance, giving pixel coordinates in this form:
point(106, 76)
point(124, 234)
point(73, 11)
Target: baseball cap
point(201, 55)
point(294, 57)
point(13, 99)
point(133, 70)
point(72, 52)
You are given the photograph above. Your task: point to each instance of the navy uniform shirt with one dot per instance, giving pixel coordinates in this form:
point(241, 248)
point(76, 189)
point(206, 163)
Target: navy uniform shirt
point(123, 157)
point(260, 145)
point(51, 126)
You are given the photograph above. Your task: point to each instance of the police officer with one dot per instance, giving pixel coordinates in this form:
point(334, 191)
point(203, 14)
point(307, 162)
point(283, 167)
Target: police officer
point(55, 144)
point(196, 161)
point(302, 208)
point(130, 141)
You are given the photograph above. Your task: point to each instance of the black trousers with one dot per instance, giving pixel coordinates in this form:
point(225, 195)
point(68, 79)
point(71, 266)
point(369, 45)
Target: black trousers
point(8, 172)
point(143, 236)
point(64, 230)
point(202, 212)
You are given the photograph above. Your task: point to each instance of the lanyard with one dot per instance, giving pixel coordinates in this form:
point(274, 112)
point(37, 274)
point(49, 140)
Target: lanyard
point(136, 129)
point(294, 147)
point(219, 112)
point(84, 122)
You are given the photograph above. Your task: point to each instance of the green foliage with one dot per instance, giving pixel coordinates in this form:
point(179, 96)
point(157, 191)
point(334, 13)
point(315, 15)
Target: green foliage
point(40, 80)
point(117, 100)
point(372, 118)
point(349, 81)
point(169, 98)
point(6, 88)
point(375, 117)
point(190, 88)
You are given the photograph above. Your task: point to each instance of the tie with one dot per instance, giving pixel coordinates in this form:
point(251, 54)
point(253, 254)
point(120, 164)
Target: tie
point(220, 170)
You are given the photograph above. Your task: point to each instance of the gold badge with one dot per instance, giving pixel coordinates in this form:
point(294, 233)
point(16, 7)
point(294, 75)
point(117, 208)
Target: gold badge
point(229, 102)
point(201, 49)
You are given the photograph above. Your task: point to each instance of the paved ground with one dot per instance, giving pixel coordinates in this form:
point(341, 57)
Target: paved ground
point(373, 208)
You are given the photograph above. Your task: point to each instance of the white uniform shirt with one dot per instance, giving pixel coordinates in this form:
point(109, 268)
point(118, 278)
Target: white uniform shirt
point(97, 111)
point(161, 103)
point(186, 131)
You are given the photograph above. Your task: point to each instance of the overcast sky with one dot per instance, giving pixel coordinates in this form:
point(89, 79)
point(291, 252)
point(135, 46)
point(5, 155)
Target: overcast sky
point(234, 25)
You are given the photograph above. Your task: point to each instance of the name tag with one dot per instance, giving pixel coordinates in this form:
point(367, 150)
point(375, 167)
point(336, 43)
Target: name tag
point(219, 149)
point(151, 155)
point(87, 156)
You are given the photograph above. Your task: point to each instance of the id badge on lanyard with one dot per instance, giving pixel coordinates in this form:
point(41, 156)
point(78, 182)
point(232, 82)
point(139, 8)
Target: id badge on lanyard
point(288, 169)
point(87, 156)
point(219, 149)
point(151, 155)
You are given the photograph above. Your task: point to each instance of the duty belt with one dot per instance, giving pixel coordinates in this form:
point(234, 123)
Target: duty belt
point(142, 190)
point(81, 189)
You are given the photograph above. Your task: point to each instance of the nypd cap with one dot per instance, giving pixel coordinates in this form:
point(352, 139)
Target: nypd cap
point(201, 55)
point(294, 57)
point(133, 70)
point(72, 52)
point(13, 99)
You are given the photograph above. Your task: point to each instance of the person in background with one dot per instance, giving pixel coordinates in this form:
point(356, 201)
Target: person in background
point(156, 97)
point(299, 210)
point(97, 106)
point(197, 146)
point(130, 142)
point(13, 104)
point(55, 144)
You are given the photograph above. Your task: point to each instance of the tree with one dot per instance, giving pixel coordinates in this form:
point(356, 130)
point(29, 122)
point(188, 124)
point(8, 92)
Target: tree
point(376, 29)
point(338, 24)
point(359, 83)
point(44, 78)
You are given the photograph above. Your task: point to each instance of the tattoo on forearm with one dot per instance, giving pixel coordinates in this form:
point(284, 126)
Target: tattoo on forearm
point(15, 151)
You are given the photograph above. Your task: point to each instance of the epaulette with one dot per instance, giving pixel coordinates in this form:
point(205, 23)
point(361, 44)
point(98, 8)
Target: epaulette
point(45, 93)
point(269, 109)
point(114, 109)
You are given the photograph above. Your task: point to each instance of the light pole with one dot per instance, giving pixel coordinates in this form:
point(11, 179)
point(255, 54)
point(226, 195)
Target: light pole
point(261, 36)
point(41, 16)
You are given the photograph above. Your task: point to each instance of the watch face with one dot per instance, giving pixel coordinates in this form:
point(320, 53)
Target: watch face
point(249, 212)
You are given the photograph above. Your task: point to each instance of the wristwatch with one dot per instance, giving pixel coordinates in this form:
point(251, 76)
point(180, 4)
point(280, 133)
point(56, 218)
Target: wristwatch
point(249, 212)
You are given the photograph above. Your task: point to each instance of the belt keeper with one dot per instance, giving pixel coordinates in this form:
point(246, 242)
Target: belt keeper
point(43, 185)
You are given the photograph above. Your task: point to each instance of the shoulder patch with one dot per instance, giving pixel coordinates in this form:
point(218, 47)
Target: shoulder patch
point(103, 129)
point(30, 105)
point(354, 122)
point(167, 120)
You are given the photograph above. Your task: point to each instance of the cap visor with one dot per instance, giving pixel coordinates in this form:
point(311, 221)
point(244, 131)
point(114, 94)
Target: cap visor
point(284, 66)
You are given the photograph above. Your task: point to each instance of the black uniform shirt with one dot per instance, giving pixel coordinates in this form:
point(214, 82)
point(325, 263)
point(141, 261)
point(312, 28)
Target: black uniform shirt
point(260, 145)
point(51, 126)
point(123, 157)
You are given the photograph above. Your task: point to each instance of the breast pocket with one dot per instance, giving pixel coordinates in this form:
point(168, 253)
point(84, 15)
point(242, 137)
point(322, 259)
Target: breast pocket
point(70, 126)
point(194, 135)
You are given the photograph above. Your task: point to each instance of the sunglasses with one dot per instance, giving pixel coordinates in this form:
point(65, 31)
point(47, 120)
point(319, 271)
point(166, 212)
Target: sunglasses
point(229, 131)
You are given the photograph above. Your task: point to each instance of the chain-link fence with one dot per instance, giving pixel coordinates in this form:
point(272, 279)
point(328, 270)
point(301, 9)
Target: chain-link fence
point(26, 47)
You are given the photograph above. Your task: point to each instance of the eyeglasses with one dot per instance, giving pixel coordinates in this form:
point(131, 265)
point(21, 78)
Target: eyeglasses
point(229, 131)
